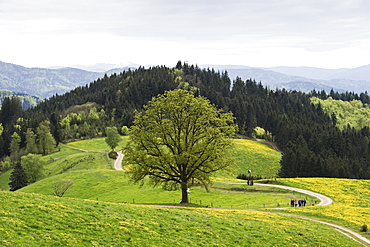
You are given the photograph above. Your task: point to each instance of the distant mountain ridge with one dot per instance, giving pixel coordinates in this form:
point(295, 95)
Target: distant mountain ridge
point(44, 83)
point(304, 78)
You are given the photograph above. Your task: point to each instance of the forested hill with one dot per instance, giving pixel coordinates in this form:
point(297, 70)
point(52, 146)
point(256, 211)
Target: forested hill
point(27, 101)
point(311, 143)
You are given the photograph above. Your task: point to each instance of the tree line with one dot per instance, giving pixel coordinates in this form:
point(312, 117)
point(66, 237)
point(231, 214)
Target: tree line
point(312, 145)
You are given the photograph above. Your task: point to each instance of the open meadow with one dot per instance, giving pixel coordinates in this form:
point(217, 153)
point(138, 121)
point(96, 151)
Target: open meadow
point(39, 220)
point(94, 178)
point(351, 200)
point(101, 207)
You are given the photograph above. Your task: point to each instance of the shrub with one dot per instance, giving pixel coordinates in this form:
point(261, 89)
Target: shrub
point(363, 228)
point(113, 155)
point(248, 177)
point(60, 187)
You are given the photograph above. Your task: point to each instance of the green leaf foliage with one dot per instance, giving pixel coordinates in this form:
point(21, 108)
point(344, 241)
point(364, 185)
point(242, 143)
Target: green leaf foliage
point(18, 178)
point(344, 114)
point(113, 138)
point(179, 139)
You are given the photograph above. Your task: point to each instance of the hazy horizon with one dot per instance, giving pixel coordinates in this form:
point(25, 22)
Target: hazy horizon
point(330, 34)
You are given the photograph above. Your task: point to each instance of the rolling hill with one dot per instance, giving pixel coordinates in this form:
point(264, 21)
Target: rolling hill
point(45, 83)
point(101, 201)
point(27, 101)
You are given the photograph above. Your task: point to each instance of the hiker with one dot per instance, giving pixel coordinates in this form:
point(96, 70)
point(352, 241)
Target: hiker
point(299, 203)
point(304, 202)
point(292, 202)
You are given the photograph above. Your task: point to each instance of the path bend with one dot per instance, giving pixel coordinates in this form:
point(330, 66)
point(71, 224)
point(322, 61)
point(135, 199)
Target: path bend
point(324, 200)
point(118, 161)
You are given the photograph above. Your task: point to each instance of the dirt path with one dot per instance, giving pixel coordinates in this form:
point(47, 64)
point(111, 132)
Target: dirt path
point(344, 230)
point(272, 144)
point(324, 199)
point(118, 161)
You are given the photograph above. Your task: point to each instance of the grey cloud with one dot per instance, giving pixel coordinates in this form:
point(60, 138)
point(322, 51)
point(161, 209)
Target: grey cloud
point(325, 21)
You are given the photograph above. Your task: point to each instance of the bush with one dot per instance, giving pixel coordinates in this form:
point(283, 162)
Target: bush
point(248, 177)
point(113, 155)
point(60, 187)
point(363, 228)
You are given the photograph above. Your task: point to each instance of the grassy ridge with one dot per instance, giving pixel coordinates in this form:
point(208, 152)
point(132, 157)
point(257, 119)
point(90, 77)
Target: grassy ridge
point(51, 221)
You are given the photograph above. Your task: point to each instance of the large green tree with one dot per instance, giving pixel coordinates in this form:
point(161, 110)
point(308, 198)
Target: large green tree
point(179, 139)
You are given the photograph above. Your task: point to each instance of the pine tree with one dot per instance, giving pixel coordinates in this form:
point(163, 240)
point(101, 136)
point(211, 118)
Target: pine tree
point(18, 178)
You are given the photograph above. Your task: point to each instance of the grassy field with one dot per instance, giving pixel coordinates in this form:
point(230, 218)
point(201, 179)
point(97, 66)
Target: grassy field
point(94, 179)
point(260, 158)
point(248, 155)
point(114, 186)
point(351, 200)
point(96, 144)
point(38, 220)
point(104, 196)
point(4, 180)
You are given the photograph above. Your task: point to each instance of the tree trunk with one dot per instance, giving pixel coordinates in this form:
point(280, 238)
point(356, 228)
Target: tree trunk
point(184, 191)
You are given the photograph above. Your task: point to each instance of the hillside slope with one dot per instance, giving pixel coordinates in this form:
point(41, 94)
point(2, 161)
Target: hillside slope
point(51, 221)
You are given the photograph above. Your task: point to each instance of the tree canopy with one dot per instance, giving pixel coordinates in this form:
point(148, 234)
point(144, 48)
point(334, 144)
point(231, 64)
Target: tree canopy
point(113, 138)
point(179, 139)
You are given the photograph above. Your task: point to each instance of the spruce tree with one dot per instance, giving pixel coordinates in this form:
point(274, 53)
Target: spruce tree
point(18, 178)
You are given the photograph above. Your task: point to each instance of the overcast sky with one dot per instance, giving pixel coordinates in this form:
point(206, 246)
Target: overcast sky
point(258, 33)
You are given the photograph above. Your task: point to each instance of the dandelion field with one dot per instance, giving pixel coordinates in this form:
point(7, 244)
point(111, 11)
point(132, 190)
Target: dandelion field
point(105, 210)
point(351, 200)
point(38, 220)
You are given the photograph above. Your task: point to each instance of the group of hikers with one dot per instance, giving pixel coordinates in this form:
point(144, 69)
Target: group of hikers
point(299, 203)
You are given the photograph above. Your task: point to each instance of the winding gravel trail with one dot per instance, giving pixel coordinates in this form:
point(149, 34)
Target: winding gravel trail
point(118, 161)
point(324, 199)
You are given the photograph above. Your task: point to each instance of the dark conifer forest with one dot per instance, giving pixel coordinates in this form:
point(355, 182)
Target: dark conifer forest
point(312, 145)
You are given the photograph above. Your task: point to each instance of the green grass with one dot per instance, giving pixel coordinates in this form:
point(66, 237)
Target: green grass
point(351, 200)
point(113, 186)
point(96, 144)
point(98, 217)
point(4, 180)
point(37, 220)
point(260, 158)
point(94, 178)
